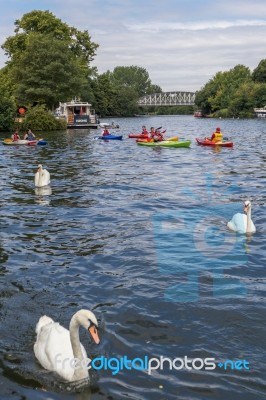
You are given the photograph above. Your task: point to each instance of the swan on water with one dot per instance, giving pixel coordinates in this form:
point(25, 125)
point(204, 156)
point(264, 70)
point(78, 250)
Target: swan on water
point(58, 349)
point(42, 177)
point(242, 223)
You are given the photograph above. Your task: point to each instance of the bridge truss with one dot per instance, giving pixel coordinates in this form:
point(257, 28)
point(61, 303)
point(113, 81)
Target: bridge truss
point(168, 99)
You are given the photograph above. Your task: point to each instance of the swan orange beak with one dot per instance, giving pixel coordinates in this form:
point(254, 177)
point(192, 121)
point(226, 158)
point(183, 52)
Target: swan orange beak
point(94, 334)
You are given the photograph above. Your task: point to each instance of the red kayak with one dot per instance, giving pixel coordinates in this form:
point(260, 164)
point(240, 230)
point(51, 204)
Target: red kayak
point(138, 135)
point(206, 142)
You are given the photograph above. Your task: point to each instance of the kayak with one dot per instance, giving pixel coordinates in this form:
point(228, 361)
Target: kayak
point(166, 143)
point(41, 142)
point(25, 142)
point(174, 139)
point(206, 142)
point(109, 137)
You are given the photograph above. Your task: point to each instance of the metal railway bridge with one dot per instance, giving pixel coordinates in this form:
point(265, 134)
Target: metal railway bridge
point(168, 99)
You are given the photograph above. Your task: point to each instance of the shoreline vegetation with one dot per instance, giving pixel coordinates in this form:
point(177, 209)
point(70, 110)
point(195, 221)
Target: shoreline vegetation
point(61, 70)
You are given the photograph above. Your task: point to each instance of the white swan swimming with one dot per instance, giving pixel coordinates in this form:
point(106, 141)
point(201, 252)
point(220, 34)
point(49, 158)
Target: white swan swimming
point(42, 177)
point(242, 223)
point(56, 346)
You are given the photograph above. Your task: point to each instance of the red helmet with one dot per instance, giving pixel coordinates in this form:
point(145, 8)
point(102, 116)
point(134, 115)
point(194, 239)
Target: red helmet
point(218, 129)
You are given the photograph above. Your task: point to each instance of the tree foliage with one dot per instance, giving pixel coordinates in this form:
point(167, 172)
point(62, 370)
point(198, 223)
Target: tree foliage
point(47, 72)
point(39, 118)
point(232, 93)
point(117, 92)
point(259, 73)
point(7, 113)
point(49, 60)
point(46, 23)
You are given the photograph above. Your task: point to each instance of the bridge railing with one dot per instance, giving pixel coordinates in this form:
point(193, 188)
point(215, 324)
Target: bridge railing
point(168, 99)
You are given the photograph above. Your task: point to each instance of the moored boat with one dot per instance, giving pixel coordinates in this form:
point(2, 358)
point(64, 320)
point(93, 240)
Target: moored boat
point(206, 142)
point(78, 114)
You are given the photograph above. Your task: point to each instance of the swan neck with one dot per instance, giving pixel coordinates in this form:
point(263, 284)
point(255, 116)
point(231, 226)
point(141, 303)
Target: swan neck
point(80, 373)
point(249, 220)
point(40, 176)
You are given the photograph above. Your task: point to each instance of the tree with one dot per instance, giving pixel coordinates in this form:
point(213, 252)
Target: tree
point(44, 22)
point(6, 83)
point(242, 103)
point(134, 77)
point(47, 72)
point(49, 60)
point(128, 85)
point(218, 93)
point(259, 73)
point(7, 113)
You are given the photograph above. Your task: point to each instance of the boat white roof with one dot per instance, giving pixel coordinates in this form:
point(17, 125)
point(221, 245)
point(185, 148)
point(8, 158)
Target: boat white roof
point(73, 103)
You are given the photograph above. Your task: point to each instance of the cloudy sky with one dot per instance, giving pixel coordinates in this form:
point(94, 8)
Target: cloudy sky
point(181, 43)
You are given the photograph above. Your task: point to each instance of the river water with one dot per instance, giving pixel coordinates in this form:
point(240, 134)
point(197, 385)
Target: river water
point(139, 236)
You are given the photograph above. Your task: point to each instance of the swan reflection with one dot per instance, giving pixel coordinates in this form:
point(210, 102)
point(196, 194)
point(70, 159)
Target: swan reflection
point(40, 192)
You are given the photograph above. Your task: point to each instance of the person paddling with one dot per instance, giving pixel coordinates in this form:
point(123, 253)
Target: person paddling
point(105, 132)
point(29, 135)
point(15, 136)
point(158, 136)
point(217, 136)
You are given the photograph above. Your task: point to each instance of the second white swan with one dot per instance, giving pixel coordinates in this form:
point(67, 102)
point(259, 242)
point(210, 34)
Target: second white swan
point(242, 223)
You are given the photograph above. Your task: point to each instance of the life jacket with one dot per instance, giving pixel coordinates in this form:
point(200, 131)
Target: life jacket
point(218, 137)
point(15, 136)
point(158, 137)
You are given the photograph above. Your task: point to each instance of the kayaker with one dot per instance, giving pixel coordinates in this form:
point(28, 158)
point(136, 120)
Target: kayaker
point(144, 131)
point(105, 132)
point(29, 135)
point(158, 136)
point(217, 136)
point(15, 136)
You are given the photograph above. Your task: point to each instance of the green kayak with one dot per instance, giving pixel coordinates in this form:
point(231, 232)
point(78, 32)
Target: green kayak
point(166, 143)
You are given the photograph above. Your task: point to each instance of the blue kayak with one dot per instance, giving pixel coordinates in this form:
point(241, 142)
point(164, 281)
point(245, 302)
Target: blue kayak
point(109, 137)
point(42, 142)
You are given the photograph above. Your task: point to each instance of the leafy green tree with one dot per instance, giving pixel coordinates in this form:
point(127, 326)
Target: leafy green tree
point(128, 85)
point(7, 113)
point(106, 97)
point(242, 104)
point(259, 94)
point(6, 84)
point(49, 60)
point(259, 73)
point(46, 23)
point(39, 118)
point(47, 72)
point(218, 93)
point(134, 77)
